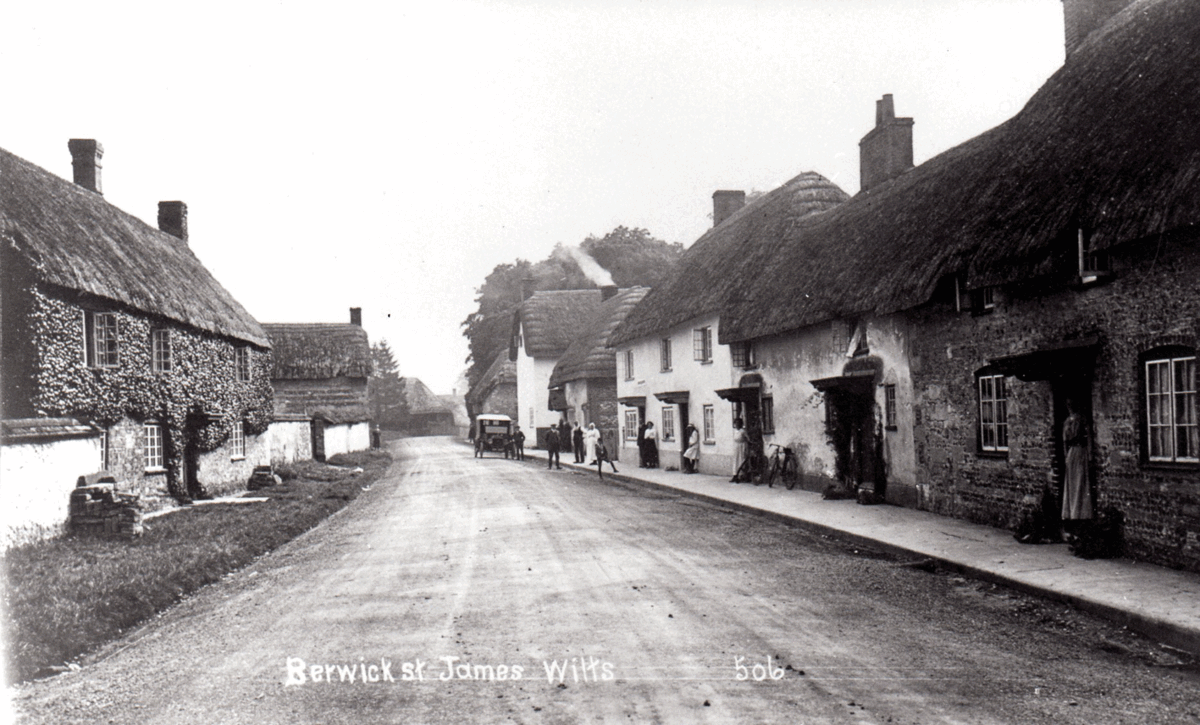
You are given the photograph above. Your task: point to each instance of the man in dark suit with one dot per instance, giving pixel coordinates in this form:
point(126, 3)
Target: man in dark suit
point(552, 440)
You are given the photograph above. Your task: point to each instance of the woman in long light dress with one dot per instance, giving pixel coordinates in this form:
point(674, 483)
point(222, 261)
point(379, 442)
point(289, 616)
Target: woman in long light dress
point(740, 445)
point(692, 454)
point(1077, 494)
point(589, 443)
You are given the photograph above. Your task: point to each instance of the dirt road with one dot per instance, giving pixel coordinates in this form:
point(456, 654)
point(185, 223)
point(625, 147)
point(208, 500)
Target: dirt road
point(466, 590)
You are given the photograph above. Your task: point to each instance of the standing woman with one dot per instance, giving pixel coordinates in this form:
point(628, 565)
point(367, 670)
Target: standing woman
point(692, 454)
point(650, 451)
point(739, 448)
point(641, 444)
point(589, 441)
point(1077, 494)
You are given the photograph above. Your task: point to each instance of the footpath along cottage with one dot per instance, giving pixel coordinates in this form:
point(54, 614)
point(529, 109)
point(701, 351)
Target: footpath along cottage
point(671, 371)
point(320, 376)
point(583, 386)
point(944, 322)
point(543, 326)
point(120, 351)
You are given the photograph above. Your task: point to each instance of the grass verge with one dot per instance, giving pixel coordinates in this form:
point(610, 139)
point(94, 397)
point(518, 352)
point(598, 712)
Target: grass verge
point(64, 597)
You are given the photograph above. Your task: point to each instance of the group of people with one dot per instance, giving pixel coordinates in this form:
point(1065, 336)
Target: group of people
point(587, 445)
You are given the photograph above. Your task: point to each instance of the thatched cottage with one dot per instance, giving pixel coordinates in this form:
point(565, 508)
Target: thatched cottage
point(583, 386)
point(543, 326)
point(927, 335)
point(426, 414)
point(120, 350)
point(320, 376)
point(672, 370)
point(496, 391)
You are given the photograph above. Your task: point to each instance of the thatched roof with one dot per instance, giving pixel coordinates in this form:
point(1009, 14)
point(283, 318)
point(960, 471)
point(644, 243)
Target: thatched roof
point(1108, 144)
point(421, 400)
point(709, 272)
point(74, 239)
point(589, 356)
point(501, 371)
point(552, 318)
point(318, 351)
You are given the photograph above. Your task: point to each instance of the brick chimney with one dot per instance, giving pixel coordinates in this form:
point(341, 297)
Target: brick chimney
point(172, 218)
point(725, 203)
point(607, 292)
point(356, 316)
point(887, 150)
point(1082, 17)
point(527, 284)
point(85, 160)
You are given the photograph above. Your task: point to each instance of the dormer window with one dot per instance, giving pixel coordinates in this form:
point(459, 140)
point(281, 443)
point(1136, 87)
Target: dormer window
point(983, 300)
point(743, 355)
point(1093, 264)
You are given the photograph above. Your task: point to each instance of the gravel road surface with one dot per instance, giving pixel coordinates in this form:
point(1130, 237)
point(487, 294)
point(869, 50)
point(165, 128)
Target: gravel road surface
point(485, 590)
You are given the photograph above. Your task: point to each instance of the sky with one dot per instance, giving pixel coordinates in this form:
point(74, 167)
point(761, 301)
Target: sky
point(388, 155)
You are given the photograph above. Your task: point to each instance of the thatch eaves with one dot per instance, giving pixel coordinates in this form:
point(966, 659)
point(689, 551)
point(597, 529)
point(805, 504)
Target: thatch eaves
point(421, 400)
point(501, 371)
point(550, 319)
point(711, 270)
point(73, 239)
point(319, 351)
point(1108, 144)
point(589, 356)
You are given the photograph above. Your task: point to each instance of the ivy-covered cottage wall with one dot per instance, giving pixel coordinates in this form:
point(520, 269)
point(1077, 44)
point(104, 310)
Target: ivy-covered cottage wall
point(196, 402)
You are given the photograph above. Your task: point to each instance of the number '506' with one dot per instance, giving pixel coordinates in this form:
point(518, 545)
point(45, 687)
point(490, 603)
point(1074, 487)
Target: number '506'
point(757, 671)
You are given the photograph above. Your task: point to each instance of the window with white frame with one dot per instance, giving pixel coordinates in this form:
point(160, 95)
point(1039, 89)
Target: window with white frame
point(664, 354)
point(668, 423)
point(237, 440)
point(1172, 433)
point(152, 446)
point(710, 424)
point(983, 300)
point(631, 425)
point(629, 364)
point(241, 363)
point(742, 354)
point(101, 346)
point(702, 344)
point(993, 413)
point(160, 350)
point(104, 449)
point(889, 405)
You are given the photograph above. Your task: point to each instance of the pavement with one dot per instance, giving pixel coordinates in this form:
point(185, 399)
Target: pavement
point(1160, 603)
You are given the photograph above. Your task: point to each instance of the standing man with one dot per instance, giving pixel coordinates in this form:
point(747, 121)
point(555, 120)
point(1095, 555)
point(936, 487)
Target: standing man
point(641, 444)
point(577, 442)
point(552, 439)
point(519, 444)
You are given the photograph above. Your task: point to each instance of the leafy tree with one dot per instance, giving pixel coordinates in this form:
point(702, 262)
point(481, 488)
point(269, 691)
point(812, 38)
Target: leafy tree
point(385, 387)
point(631, 256)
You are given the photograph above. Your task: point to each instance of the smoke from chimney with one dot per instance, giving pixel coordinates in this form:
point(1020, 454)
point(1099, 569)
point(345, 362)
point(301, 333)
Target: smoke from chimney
point(591, 268)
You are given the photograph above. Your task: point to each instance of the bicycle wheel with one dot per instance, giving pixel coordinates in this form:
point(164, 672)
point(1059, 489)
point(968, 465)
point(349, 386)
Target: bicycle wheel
point(776, 469)
point(743, 474)
point(791, 473)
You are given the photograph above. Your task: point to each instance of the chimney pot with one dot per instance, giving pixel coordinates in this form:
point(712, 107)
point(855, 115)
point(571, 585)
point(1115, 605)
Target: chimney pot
point(85, 162)
point(356, 316)
point(886, 151)
point(172, 218)
point(725, 204)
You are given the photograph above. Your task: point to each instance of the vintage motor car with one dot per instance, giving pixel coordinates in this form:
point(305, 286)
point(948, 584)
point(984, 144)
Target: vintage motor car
point(493, 432)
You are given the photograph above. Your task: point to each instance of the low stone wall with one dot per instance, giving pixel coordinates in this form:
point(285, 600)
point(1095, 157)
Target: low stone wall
point(38, 478)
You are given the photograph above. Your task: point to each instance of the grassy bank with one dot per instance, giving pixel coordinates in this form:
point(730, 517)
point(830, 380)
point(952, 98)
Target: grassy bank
point(66, 596)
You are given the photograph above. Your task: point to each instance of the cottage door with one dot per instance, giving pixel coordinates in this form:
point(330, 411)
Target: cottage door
point(681, 434)
point(318, 439)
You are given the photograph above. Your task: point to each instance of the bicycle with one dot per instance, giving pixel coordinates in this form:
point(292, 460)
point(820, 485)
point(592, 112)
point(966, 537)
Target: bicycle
point(783, 465)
